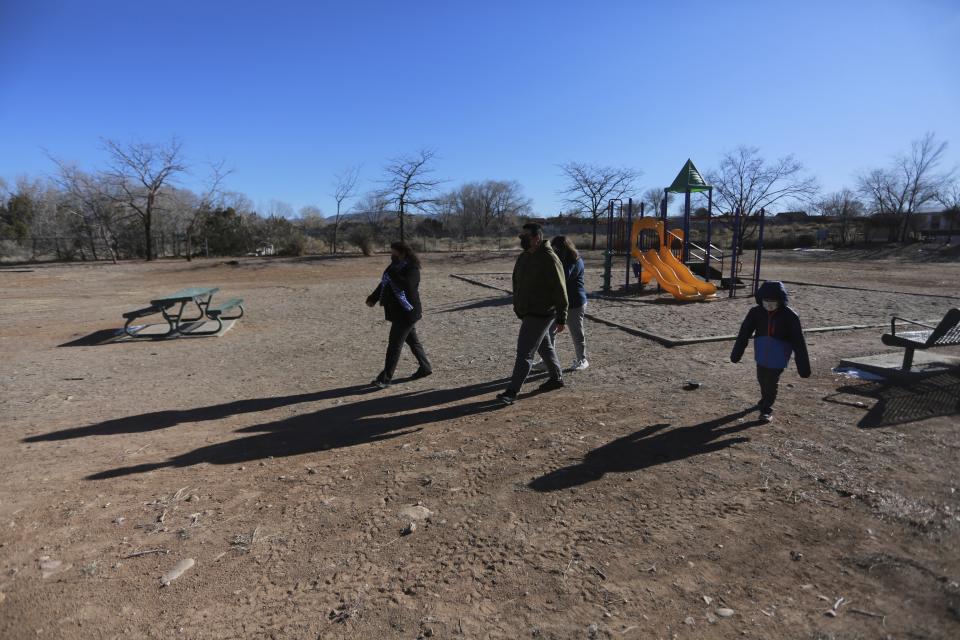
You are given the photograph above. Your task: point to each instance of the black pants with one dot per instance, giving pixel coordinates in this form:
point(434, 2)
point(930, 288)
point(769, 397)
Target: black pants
point(401, 332)
point(769, 380)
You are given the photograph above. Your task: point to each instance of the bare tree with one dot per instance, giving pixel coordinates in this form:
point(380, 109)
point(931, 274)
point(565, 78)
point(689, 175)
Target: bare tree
point(279, 209)
point(89, 199)
point(909, 183)
point(138, 172)
point(653, 200)
point(207, 202)
point(590, 186)
point(408, 184)
point(489, 205)
point(374, 210)
point(745, 181)
point(344, 188)
point(843, 207)
point(949, 198)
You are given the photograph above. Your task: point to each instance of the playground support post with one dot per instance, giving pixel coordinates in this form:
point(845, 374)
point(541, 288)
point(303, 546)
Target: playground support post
point(759, 252)
point(706, 268)
point(627, 241)
point(734, 252)
point(610, 226)
point(685, 253)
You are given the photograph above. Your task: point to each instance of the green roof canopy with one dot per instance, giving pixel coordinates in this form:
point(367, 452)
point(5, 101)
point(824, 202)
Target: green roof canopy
point(688, 179)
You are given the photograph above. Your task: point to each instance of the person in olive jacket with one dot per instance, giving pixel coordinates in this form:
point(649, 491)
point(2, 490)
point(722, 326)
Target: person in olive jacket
point(399, 294)
point(540, 301)
point(778, 334)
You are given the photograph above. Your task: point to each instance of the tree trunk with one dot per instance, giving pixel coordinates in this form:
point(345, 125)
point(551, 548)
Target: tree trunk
point(147, 229)
point(401, 222)
point(594, 245)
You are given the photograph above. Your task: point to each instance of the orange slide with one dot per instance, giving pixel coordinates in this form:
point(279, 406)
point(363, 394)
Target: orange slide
point(661, 265)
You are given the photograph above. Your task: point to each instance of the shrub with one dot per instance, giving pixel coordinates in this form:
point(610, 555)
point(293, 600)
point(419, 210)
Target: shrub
point(362, 237)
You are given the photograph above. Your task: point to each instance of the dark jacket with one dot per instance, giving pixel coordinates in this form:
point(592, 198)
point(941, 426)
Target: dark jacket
point(539, 285)
point(576, 290)
point(778, 333)
point(407, 278)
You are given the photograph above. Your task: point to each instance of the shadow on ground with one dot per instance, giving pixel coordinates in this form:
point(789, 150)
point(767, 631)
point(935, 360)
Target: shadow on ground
point(649, 447)
point(157, 420)
point(346, 425)
point(480, 304)
point(900, 403)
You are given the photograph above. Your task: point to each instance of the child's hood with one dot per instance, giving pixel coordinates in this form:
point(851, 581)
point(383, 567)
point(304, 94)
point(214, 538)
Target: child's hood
point(772, 290)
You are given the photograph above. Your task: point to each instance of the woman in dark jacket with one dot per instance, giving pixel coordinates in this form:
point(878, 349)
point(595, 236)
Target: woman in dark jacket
point(577, 294)
point(399, 294)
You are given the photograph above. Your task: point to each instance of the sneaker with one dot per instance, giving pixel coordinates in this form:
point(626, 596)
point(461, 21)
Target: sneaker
point(580, 365)
point(766, 416)
point(551, 384)
point(381, 384)
point(421, 373)
point(539, 365)
point(507, 397)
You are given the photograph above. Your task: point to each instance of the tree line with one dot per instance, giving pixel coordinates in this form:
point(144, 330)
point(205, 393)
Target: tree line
point(135, 204)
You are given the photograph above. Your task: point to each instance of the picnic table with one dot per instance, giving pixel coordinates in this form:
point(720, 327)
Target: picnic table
point(173, 307)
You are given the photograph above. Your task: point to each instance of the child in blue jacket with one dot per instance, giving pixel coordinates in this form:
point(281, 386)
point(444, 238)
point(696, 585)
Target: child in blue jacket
point(778, 334)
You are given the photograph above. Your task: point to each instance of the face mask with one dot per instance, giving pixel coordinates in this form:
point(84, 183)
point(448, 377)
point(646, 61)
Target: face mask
point(771, 305)
point(525, 242)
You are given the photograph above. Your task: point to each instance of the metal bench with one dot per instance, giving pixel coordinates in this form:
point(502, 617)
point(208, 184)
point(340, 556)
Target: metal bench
point(946, 333)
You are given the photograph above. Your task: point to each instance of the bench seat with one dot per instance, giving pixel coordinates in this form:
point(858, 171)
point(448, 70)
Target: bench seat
point(221, 309)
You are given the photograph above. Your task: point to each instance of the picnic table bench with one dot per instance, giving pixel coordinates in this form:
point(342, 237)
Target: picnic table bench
point(178, 322)
point(946, 333)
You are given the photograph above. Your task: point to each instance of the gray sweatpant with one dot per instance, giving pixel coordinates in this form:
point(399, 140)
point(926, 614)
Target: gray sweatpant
point(535, 337)
point(575, 327)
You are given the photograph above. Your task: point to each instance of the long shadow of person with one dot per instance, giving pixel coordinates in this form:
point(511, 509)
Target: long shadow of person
point(346, 425)
point(645, 448)
point(157, 420)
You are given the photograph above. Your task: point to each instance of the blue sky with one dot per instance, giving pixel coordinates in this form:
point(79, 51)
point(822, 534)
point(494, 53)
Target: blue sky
point(289, 93)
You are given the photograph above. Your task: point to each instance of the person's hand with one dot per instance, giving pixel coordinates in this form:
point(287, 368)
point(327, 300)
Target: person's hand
point(561, 327)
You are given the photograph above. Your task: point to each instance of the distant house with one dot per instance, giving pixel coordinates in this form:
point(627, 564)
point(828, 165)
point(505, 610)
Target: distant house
point(940, 224)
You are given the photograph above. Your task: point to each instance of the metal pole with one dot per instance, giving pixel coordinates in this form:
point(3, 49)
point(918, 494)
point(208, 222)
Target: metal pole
point(636, 242)
point(610, 228)
point(627, 242)
point(706, 266)
point(685, 254)
point(759, 253)
point(663, 216)
point(733, 252)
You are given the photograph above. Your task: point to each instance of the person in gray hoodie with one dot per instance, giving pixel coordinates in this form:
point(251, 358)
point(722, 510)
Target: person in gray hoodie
point(540, 301)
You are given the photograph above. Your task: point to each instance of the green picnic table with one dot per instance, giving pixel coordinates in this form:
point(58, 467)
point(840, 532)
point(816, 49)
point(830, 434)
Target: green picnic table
point(172, 307)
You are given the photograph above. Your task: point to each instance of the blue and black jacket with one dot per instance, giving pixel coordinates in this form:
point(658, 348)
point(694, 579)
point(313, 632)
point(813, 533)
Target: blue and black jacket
point(778, 333)
point(576, 290)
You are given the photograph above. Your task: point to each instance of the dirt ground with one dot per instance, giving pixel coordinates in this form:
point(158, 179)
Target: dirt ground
point(620, 507)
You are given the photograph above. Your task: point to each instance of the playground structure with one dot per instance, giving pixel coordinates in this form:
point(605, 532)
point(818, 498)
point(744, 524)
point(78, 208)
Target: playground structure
point(655, 260)
point(653, 251)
